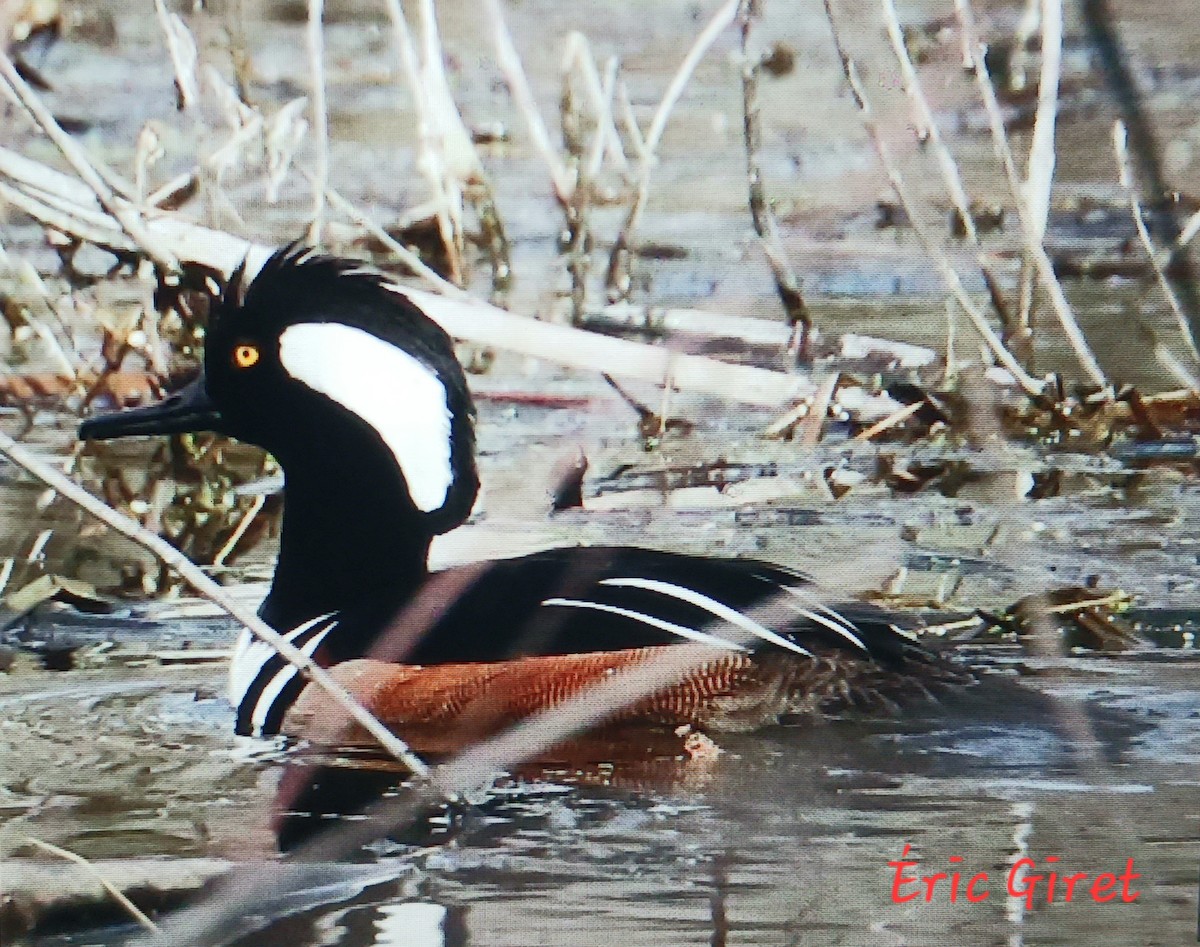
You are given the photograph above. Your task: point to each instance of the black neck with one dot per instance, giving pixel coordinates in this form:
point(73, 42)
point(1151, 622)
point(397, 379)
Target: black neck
point(352, 541)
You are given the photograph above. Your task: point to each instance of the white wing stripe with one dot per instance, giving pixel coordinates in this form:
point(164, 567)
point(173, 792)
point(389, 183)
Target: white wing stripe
point(803, 593)
point(690, 634)
point(834, 626)
point(722, 611)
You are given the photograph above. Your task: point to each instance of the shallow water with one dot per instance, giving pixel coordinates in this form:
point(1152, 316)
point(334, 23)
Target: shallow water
point(786, 837)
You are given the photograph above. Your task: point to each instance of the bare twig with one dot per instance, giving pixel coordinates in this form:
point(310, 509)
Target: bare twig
point(1039, 172)
point(174, 559)
point(477, 322)
point(473, 320)
point(458, 159)
point(936, 253)
point(1039, 175)
point(1011, 334)
point(765, 225)
point(1166, 358)
point(617, 278)
point(890, 421)
point(1125, 176)
point(124, 212)
point(401, 252)
point(514, 74)
point(239, 531)
point(579, 57)
point(117, 895)
point(315, 36)
point(811, 425)
point(182, 49)
point(925, 121)
point(1145, 153)
point(1033, 242)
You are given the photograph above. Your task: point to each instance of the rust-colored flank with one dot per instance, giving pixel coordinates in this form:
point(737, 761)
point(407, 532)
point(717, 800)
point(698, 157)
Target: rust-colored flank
point(446, 706)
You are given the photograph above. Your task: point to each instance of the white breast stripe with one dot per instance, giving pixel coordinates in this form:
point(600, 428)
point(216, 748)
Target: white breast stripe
point(281, 680)
point(720, 610)
point(834, 621)
point(401, 398)
point(411, 924)
point(691, 634)
point(250, 656)
point(905, 633)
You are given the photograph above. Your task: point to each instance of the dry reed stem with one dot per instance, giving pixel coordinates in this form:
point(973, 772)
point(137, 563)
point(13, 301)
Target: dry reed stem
point(629, 121)
point(1125, 177)
point(315, 42)
point(1166, 358)
point(239, 531)
point(1039, 169)
point(579, 56)
point(946, 164)
point(401, 252)
point(788, 420)
point(202, 584)
point(765, 225)
point(936, 253)
point(471, 319)
point(700, 323)
point(181, 47)
point(810, 426)
point(122, 211)
point(617, 278)
point(722, 19)
point(1191, 227)
point(134, 911)
point(518, 84)
point(1039, 174)
point(1034, 246)
point(890, 421)
point(57, 220)
point(925, 121)
point(458, 159)
point(430, 159)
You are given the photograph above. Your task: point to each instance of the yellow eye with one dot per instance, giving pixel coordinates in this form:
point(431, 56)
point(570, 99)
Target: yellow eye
point(245, 356)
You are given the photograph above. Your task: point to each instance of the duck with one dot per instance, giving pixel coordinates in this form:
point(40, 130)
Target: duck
point(325, 363)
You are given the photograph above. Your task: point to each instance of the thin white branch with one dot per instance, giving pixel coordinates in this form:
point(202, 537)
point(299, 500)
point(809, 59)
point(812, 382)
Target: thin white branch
point(912, 87)
point(721, 21)
point(315, 35)
point(579, 56)
point(936, 253)
point(1039, 178)
point(182, 49)
point(1033, 243)
point(117, 895)
point(174, 559)
point(1125, 176)
point(518, 84)
point(431, 158)
point(124, 212)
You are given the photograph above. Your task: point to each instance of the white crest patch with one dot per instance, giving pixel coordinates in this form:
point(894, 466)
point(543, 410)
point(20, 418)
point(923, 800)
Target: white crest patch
point(402, 399)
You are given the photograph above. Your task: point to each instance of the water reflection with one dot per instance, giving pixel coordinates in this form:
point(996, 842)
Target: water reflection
point(786, 838)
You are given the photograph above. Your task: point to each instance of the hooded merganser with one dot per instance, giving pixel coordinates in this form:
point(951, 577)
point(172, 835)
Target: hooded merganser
point(332, 369)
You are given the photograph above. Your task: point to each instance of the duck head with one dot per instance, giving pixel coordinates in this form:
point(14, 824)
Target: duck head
point(318, 355)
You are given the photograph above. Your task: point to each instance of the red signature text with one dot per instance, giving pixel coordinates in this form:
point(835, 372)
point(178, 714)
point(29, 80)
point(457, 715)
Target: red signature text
point(1025, 879)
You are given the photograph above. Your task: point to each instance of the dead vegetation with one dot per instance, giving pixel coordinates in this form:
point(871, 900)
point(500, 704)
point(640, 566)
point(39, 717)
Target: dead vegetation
point(72, 350)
